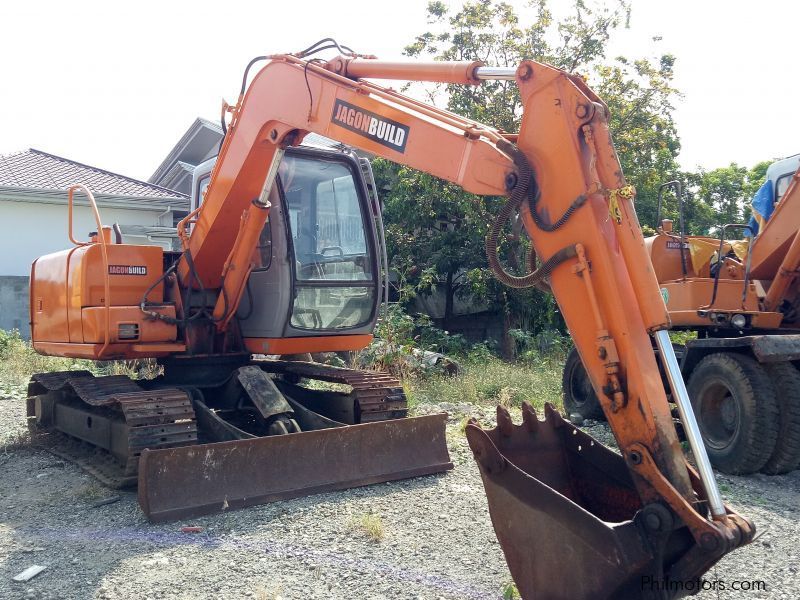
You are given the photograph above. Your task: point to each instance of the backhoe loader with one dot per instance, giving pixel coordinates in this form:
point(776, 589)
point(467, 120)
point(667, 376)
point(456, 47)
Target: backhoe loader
point(741, 297)
point(282, 255)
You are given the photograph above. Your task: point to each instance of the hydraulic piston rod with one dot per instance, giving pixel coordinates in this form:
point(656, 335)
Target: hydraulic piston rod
point(681, 398)
point(464, 72)
point(503, 73)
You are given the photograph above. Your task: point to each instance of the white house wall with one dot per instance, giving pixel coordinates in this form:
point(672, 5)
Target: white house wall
point(42, 228)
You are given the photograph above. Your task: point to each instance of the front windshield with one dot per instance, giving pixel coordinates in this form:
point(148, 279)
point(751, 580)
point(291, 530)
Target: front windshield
point(333, 265)
point(325, 218)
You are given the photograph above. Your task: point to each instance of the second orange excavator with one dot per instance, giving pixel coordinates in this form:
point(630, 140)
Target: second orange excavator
point(283, 256)
point(740, 298)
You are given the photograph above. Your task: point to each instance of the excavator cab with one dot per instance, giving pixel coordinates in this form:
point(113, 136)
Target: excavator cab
point(317, 284)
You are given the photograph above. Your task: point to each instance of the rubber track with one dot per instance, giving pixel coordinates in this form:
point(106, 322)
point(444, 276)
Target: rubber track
point(159, 418)
point(380, 396)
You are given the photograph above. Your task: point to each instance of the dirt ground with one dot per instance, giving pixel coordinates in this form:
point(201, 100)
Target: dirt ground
point(424, 538)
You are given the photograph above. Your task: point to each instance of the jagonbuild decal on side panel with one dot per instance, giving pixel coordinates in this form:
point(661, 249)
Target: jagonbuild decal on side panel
point(676, 245)
point(379, 129)
point(127, 270)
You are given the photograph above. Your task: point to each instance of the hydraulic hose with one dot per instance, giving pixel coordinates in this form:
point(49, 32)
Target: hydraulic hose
point(523, 186)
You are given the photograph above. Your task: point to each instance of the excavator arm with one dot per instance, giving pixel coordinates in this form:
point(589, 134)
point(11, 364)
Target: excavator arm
point(775, 253)
point(644, 513)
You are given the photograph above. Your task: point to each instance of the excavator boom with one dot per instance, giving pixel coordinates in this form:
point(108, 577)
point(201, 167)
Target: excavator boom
point(776, 249)
point(562, 173)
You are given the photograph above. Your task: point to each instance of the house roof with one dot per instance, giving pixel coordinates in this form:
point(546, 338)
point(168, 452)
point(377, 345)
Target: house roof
point(36, 170)
point(199, 143)
point(178, 178)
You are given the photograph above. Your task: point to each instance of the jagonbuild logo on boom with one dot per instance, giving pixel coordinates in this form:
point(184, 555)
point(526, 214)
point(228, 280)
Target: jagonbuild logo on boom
point(382, 130)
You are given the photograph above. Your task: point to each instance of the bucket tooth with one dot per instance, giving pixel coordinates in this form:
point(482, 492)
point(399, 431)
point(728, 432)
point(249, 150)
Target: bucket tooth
point(552, 416)
point(484, 451)
point(529, 418)
point(504, 422)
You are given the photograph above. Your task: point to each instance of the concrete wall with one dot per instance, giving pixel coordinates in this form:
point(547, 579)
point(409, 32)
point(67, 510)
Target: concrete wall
point(14, 304)
point(30, 230)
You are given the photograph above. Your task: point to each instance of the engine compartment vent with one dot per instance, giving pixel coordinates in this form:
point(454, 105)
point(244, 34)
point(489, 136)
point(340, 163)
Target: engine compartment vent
point(128, 331)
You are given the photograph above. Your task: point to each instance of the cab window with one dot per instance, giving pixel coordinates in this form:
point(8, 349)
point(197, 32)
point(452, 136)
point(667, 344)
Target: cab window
point(334, 271)
point(782, 185)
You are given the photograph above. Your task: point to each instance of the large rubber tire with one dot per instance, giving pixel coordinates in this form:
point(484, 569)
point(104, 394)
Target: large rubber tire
point(786, 456)
point(735, 405)
point(577, 391)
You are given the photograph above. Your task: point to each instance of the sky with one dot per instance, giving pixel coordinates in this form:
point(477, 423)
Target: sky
point(116, 84)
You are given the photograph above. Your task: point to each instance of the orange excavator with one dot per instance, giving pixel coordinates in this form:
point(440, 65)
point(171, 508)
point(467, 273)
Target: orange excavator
point(281, 256)
point(741, 298)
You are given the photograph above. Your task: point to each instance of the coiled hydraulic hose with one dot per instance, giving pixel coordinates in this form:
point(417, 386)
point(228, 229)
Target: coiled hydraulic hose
point(523, 186)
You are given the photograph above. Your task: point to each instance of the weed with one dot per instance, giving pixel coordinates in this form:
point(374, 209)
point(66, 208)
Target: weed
point(371, 525)
point(510, 592)
point(90, 492)
point(681, 337)
point(16, 441)
point(454, 434)
point(18, 361)
point(269, 592)
point(490, 382)
point(325, 386)
point(411, 396)
point(462, 427)
point(504, 397)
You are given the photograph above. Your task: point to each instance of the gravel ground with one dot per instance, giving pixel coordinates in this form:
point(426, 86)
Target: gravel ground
point(437, 540)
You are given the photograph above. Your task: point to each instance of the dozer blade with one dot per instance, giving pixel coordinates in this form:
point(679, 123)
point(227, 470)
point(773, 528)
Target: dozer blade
point(208, 478)
point(567, 515)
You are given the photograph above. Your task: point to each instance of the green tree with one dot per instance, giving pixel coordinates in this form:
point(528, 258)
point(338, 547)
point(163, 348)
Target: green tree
point(725, 195)
point(432, 239)
point(639, 95)
point(638, 92)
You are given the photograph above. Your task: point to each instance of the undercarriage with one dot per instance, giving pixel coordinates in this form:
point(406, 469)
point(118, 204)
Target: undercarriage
point(285, 428)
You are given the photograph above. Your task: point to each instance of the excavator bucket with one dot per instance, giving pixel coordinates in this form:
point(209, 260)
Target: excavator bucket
point(189, 481)
point(566, 513)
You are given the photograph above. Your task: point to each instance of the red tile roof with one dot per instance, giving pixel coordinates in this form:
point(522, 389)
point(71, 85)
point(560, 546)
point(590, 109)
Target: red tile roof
point(34, 169)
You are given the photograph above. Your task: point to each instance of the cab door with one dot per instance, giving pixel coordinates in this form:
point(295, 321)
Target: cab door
point(317, 270)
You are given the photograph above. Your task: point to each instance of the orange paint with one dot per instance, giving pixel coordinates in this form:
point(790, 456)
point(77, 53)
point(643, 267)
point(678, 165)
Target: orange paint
point(302, 345)
point(64, 283)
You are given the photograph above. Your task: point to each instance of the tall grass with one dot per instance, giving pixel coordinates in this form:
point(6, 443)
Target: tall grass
point(492, 381)
point(484, 379)
point(18, 361)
